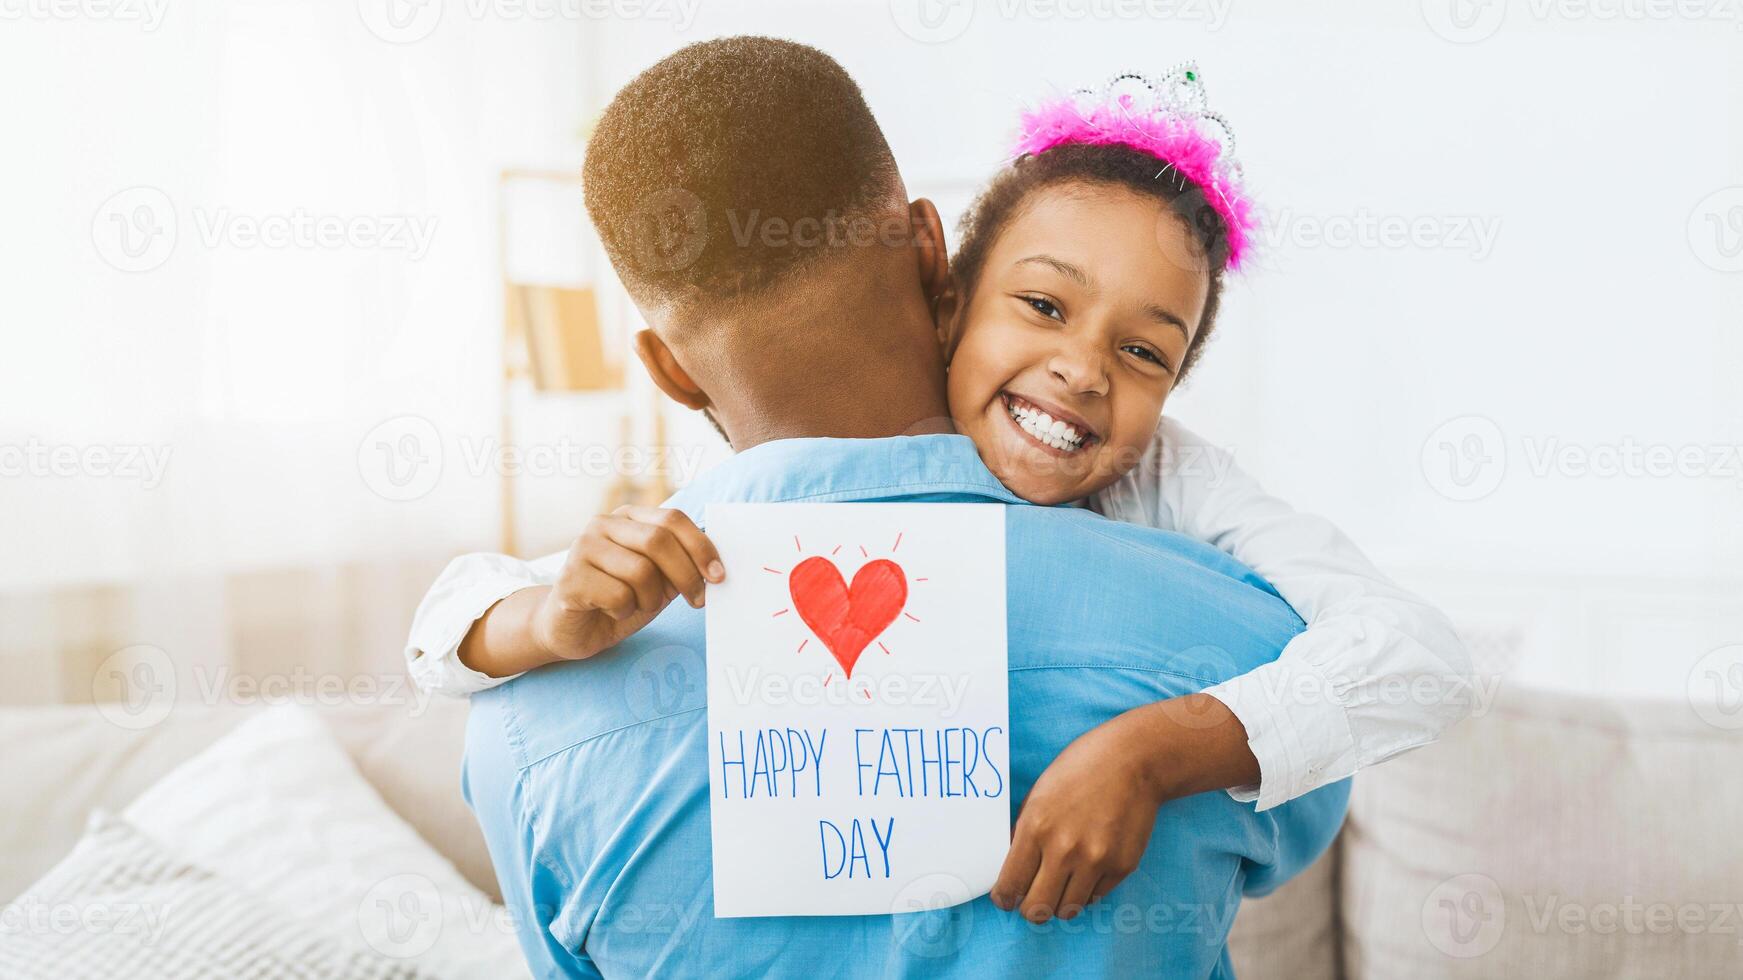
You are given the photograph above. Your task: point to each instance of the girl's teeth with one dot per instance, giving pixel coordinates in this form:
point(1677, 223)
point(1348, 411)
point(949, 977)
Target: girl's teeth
point(1054, 432)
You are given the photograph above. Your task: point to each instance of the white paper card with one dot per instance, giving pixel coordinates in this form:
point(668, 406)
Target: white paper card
point(858, 749)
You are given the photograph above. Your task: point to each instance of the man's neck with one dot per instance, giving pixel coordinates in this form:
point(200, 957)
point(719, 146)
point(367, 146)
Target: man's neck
point(868, 368)
point(871, 404)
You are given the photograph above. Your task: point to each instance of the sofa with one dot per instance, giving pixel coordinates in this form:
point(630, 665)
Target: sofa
point(1549, 836)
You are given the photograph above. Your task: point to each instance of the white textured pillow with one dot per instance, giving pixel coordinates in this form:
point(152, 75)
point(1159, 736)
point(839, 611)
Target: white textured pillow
point(277, 806)
point(120, 905)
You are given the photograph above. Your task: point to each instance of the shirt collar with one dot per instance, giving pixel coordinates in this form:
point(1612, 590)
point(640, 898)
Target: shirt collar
point(823, 470)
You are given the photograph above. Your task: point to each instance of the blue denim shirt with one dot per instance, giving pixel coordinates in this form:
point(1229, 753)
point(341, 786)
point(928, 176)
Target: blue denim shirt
point(591, 779)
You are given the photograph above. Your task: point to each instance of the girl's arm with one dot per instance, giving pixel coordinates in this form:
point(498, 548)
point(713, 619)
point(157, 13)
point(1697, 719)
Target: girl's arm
point(491, 617)
point(1378, 670)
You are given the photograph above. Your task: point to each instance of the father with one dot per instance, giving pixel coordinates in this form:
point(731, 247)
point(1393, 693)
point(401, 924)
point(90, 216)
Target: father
point(815, 355)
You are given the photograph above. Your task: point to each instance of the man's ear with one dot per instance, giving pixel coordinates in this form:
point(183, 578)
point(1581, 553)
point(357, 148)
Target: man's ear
point(930, 252)
point(667, 373)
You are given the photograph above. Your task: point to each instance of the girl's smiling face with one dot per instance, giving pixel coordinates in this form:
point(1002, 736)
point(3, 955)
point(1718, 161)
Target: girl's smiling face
point(1070, 342)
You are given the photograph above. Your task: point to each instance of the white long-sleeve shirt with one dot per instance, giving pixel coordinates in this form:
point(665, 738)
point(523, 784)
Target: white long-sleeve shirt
point(1378, 671)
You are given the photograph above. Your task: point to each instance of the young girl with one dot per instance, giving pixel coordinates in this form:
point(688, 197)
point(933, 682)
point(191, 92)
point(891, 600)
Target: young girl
point(1088, 279)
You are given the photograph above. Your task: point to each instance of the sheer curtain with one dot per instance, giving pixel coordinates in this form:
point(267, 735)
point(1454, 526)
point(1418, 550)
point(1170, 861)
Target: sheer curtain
point(250, 250)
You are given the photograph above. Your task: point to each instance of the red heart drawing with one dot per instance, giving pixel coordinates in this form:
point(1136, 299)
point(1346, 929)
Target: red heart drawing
point(846, 619)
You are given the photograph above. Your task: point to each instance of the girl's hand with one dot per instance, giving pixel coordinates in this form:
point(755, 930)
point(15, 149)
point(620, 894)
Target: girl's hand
point(1084, 825)
point(620, 573)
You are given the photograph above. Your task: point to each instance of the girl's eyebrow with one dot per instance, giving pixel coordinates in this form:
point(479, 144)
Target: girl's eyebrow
point(1060, 266)
point(1161, 314)
point(1166, 317)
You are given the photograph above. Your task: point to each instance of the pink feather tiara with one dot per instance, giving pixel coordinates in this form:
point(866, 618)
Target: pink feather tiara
point(1165, 117)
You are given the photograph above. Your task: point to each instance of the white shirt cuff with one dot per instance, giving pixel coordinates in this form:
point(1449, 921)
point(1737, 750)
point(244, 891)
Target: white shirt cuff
point(1296, 728)
point(433, 649)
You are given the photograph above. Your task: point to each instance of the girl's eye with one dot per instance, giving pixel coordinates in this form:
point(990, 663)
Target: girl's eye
point(1146, 353)
point(1044, 307)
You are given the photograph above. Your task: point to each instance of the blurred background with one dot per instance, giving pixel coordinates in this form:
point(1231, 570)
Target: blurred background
point(298, 302)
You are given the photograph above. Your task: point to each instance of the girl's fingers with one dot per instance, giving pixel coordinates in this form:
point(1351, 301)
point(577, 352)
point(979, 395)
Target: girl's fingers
point(701, 550)
point(1045, 892)
point(632, 569)
point(1079, 891)
point(593, 588)
point(661, 547)
point(1021, 863)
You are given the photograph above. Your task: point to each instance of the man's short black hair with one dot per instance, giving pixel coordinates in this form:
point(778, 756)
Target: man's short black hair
point(701, 171)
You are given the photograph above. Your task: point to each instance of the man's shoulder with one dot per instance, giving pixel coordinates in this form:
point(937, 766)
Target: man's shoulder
point(1083, 537)
point(652, 685)
point(1088, 592)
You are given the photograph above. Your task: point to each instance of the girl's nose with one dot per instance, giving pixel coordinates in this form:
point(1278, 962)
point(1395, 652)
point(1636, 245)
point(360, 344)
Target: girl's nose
point(1081, 371)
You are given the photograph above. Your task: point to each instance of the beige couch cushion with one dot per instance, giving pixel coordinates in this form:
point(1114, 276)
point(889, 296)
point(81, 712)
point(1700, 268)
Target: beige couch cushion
point(1553, 837)
point(1294, 931)
point(62, 762)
